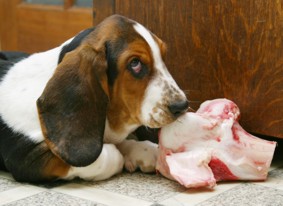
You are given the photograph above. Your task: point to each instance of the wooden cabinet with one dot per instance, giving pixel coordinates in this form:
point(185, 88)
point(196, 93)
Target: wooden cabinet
point(221, 48)
point(38, 25)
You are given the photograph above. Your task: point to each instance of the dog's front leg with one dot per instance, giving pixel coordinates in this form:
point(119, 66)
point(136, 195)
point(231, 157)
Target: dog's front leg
point(109, 163)
point(139, 154)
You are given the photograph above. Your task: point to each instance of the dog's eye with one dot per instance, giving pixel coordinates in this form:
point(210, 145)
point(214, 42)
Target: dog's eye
point(137, 68)
point(136, 65)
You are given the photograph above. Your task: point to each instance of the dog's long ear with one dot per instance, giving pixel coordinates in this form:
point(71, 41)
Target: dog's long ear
point(72, 107)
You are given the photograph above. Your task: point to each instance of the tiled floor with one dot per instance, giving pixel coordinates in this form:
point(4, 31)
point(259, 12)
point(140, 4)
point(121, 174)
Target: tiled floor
point(144, 190)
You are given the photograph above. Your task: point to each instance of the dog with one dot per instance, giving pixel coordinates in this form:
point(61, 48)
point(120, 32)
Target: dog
point(67, 112)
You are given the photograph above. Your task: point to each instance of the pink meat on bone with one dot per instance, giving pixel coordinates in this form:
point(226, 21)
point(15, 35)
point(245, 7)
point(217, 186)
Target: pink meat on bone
point(202, 148)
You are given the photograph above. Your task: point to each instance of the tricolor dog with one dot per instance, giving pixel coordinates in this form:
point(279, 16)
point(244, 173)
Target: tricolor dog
point(66, 112)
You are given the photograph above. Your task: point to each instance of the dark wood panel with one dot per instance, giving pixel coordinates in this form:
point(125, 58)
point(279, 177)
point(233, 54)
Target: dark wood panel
point(8, 25)
point(102, 9)
point(250, 54)
point(223, 48)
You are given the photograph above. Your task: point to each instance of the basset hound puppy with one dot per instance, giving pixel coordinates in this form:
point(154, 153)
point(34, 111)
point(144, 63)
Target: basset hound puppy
point(64, 112)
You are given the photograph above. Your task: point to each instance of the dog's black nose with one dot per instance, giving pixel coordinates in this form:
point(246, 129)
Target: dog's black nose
point(178, 108)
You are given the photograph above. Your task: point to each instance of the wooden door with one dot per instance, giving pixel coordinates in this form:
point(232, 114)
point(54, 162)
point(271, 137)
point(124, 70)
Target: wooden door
point(222, 48)
point(38, 25)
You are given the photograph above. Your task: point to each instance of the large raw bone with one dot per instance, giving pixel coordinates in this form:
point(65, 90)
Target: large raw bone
point(202, 148)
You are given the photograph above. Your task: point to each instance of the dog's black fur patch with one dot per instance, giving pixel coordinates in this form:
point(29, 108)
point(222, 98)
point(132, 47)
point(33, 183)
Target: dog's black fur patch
point(8, 59)
point(144, 133)
point(74, 43)
point(13, 56)
point(112, 58)
point(22, 157)
point(4, 67)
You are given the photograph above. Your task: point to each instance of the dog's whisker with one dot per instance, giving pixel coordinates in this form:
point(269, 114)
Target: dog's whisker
point(147, 128)
point(186, 92)
point(161, 108)
point(191, 109)
point(196, 101)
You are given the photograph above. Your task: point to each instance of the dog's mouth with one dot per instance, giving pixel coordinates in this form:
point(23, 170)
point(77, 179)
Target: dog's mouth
point(163, 115)
point(160, 121)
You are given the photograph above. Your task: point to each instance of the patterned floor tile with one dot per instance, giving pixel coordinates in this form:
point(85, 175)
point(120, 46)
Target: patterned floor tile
point(194, 196)
point(7, 184)
point(54, 199)
point(19, 193)
point(147, 187)
point(143, 190)
point(102, 196)
point(247, 194)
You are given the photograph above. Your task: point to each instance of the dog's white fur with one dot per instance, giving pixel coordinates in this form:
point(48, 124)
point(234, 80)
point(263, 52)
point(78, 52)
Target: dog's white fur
point(137, 154)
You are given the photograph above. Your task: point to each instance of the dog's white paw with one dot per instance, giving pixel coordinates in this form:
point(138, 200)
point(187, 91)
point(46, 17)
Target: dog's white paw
point(142, 155)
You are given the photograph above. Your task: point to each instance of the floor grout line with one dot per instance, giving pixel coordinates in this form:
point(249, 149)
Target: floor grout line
point(195, 196)
point(100, 196)
point(19, 193)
